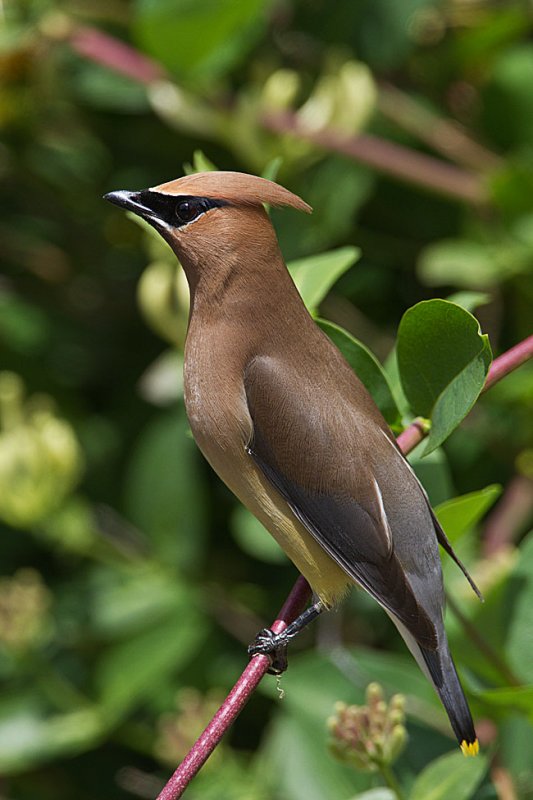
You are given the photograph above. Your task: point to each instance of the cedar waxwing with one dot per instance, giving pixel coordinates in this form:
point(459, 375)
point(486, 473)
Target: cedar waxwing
point(284, 421)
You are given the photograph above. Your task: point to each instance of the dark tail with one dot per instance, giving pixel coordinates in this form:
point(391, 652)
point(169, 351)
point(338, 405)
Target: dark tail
point(446, 681)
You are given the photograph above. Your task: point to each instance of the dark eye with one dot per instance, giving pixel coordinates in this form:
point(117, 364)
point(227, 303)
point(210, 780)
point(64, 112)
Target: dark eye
point(187, 210)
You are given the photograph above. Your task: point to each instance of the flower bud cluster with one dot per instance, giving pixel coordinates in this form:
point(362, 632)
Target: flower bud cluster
point(40, 459)
point(24, 604)
point(179, 730)
point(370, 736)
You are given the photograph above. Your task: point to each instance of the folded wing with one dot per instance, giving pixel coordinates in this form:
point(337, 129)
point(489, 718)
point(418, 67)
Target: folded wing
point(318, 462)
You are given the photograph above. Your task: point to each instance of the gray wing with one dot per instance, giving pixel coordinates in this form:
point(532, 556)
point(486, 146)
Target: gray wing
point(309, 455)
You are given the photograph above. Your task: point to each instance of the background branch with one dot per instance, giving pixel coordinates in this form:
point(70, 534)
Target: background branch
point(389, 158)
point(397, 161)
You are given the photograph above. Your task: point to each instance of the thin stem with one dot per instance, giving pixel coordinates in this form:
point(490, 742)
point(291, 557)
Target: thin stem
point(413, 435)
point(509, 361)
point(508, 520)
point(387, 157)
point(110, 52)
point(235, 701)
point(390, 779)
point(444, 135)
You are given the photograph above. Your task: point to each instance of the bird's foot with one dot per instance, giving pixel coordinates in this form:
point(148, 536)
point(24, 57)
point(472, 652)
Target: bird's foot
point(273, 645)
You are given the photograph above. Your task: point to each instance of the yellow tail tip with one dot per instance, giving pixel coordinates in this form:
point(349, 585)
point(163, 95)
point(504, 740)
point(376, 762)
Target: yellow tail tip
point(469, 748)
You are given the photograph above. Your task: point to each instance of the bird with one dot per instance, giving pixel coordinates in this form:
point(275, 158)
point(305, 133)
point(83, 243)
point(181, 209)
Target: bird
point(292, 431)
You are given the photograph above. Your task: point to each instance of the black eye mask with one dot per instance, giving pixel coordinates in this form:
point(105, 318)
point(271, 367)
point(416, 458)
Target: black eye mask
point(177, 210)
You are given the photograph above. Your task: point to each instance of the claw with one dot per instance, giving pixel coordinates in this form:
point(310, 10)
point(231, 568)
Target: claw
point(274, 646)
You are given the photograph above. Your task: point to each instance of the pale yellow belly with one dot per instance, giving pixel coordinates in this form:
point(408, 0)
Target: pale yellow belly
point(245, 480)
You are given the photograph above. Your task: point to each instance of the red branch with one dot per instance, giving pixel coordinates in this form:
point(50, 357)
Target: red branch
point(235, 701)
point(509, 361)
point(296, 601)
point(116, 55)
point(413, 435)
point(388, 157)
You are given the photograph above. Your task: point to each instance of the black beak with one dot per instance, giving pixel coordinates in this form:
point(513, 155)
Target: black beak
point(157, 209)
point(130, 201)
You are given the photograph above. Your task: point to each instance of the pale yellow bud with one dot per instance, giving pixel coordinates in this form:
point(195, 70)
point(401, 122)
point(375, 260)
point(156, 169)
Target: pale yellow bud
point(280, 90)
point(163, 298)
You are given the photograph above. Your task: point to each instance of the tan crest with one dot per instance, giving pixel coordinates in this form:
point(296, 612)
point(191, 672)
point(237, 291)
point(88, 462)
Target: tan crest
point(235, 187)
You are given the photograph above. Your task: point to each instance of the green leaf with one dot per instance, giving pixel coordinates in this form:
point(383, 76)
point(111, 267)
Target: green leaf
point(200, 163)
point(360, 666)
point(102, 88)
point(377, 794)
point(459, 515)
point(507, 102)
point(270, 172)
point(234, 778)
point(433, 472)
point(390, 368)
point(28, 737)
point(199, 39)
point(518, 697)
point(128, 671)
point(296, 753)
point(519, 646)
point(452, 775)
point(133, 600)
point(384, 39)
point(366, 367)
point(315, 275)
point(466, 263)
point(25, 327)
point(443, 361)
point(516, 746)
point(336, 189)
point(469, 300)
point(254, 539)
point(164, 491)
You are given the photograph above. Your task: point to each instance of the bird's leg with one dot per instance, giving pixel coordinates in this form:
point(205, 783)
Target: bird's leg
point(274, 645)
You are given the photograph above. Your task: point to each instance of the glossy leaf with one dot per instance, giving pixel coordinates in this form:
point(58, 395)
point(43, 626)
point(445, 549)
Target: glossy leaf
point(164, 494)
point(194, 38)
point(469, 300)
point(397, 672)
point(133, 601)
point(296, 753)
point(29, 737)
point(459, 515)
point(451, 775)
point(443, 361)
point(254, 539)
point(469, 264)
point(366, 367)
point(519, 698)
point(520, 637)
point(156, 653)
point(433, 471)
point(335, 188)
point(315, 275)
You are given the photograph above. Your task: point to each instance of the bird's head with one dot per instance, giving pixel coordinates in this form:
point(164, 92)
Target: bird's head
point(210, 214)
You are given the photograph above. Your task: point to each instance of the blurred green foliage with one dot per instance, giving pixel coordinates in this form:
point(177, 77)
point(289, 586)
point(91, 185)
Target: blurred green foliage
point(131, 580)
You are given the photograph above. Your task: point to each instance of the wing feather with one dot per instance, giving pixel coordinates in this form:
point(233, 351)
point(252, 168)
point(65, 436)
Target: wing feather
point(352, 527)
